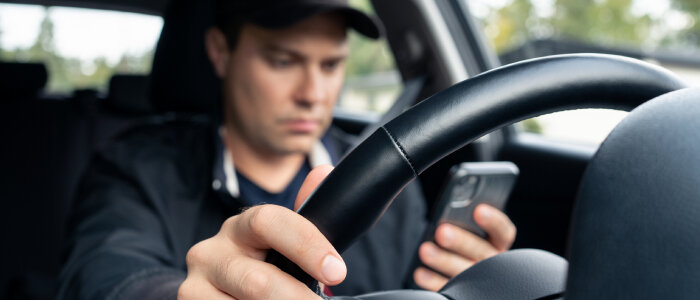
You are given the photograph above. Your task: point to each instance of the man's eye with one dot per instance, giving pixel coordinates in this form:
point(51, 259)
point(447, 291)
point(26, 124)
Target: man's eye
point(280, 63)
point(329, 66)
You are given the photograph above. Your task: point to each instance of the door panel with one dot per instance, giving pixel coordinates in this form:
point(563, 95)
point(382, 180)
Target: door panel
point(542, 200)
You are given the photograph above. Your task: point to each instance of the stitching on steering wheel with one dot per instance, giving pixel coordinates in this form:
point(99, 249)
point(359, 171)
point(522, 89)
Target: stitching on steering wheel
point(403, 152)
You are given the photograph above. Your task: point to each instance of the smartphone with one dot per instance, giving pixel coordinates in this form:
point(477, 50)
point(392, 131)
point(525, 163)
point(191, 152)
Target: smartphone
point(470, 184)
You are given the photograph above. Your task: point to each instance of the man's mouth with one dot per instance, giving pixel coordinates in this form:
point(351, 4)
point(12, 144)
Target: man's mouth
point(302, 125)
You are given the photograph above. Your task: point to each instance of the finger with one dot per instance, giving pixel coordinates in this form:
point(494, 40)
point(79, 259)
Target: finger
point(276, 227)
point(312, 180)
point(445, 262)
point(245, 278)
point(428, 280)
point(199, 288)
point(463, 242)
point(499, 227)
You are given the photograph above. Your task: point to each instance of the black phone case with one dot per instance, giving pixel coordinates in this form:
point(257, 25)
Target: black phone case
point(494, 182)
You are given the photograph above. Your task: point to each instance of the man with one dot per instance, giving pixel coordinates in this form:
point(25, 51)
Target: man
point(164, 203)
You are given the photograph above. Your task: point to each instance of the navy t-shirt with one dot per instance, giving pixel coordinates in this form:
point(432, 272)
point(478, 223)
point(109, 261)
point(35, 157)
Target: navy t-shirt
point(254, 195)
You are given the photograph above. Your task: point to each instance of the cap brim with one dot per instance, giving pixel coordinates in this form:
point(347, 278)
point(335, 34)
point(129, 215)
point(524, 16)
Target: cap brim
point(281, 17)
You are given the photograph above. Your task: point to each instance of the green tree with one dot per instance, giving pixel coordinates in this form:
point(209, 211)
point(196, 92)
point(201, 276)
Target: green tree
point(605, 22)
point(135, 63)
point(510, 25)
point(67, 74)
point(43, 50)
point(690, 36)
point(367, 56)
point(4, 53)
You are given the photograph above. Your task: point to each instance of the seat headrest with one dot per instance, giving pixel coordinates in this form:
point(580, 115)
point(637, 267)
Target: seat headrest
point(182, 79)
point(129, 93)
point(21, 80)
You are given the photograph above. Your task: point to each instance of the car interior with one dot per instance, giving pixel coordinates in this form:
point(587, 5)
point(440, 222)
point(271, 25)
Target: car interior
point(48, 141)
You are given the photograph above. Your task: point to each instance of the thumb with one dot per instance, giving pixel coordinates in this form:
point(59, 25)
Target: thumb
point(311, 182)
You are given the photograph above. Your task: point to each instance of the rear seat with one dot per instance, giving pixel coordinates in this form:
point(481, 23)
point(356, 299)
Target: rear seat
point(126, 104)
point(20, 81)
point(45, 146)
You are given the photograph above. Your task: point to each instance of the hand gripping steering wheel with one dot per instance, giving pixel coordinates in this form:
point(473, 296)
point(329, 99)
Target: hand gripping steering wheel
point(363, 185)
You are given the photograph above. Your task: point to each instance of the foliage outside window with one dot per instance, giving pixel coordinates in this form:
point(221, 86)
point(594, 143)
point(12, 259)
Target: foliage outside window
point(639, 24)
point(665, 32)
point(372, 81)
point(69, 40)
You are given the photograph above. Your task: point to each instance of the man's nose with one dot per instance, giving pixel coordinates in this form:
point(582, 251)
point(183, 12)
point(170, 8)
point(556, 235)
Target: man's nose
point(312, 88)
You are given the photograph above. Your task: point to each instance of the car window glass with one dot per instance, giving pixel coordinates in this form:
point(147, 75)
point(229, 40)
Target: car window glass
point(372, 80)
point(81, 48)
point(664, 32)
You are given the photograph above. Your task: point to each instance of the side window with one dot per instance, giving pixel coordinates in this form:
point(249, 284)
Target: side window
point(81, 48)
point(372, 81)
point(661, 32)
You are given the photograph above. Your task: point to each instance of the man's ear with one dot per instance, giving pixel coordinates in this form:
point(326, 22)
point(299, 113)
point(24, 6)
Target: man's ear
point(217, 50)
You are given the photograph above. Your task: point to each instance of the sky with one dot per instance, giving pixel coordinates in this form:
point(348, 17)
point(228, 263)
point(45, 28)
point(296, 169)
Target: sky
point(80, 33)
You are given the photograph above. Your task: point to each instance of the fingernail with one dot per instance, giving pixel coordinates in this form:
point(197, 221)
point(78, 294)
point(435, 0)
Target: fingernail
point(448, 233)
point(430, 250)
point(333, 269)
point(424, 276)
point(485, 212)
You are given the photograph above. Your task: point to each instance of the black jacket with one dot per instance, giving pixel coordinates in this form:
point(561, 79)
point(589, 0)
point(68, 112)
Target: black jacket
point(144, 201)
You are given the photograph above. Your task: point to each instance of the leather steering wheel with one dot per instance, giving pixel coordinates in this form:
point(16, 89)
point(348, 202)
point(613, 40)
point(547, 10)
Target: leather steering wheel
point(355, 195)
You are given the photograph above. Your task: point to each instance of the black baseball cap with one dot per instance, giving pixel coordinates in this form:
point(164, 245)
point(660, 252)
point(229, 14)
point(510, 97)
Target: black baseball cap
point(276, 14)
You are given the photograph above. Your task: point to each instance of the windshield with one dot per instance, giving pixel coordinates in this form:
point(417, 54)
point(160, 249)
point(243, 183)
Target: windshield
point(664, 32)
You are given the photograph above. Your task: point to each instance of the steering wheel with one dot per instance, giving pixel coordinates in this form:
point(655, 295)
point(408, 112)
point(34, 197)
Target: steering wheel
point(363, 185)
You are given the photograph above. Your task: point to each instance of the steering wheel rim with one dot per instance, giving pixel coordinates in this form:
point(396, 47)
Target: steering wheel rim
point(348, 202)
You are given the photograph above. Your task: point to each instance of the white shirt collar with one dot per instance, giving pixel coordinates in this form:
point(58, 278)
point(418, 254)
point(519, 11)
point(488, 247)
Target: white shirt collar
point(318, 156)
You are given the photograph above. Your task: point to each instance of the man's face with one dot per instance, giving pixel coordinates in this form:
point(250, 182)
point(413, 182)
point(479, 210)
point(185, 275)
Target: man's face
point(280, 86)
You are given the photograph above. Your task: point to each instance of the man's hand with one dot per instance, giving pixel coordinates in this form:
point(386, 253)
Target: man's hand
point(461, 249)
point(230, 265)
